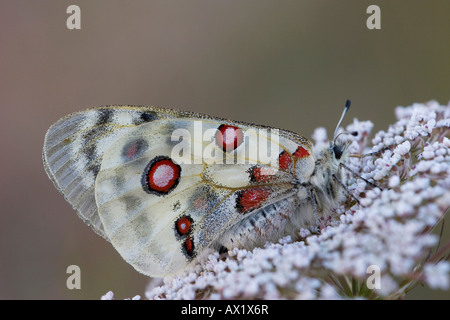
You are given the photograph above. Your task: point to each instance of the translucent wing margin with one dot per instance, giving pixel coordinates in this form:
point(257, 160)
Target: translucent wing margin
point(73, 151)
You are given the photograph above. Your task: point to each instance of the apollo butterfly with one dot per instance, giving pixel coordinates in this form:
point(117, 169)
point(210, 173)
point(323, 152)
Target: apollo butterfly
point(163, 185)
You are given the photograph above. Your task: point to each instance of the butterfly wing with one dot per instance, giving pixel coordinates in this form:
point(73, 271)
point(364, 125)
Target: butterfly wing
point(163, 185)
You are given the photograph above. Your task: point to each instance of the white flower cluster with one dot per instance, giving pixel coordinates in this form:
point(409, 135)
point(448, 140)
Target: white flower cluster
point(380, 248)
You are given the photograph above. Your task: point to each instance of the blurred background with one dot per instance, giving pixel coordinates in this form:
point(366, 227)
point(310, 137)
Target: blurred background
point(288, 64)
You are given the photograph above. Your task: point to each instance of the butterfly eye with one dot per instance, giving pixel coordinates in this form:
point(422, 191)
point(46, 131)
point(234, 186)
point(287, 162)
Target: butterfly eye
point(337, 152)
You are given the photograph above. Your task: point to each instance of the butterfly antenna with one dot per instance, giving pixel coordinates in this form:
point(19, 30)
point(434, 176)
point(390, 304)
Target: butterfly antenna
point(358, 176)
point(347, 106)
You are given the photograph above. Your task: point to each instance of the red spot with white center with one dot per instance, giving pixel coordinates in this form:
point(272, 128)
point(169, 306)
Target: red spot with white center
point(250, 199)
point(183, 225)
point(162, 175)
point(229, 137)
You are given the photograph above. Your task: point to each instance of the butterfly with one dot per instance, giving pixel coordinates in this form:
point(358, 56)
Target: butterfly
point(163, 186)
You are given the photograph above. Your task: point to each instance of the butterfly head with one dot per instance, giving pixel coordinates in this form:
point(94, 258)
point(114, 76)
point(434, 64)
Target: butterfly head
point(328, 180)
point(339, 149)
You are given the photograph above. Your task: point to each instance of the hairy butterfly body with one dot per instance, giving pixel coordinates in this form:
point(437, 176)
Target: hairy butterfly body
point(164, 185)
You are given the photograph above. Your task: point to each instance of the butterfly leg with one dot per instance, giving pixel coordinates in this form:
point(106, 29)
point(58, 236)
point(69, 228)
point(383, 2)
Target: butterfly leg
point(346, 189)
point(370, 154)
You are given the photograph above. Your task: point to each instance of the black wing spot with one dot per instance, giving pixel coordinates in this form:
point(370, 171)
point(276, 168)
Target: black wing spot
point(105, 116)
point(147, 117)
